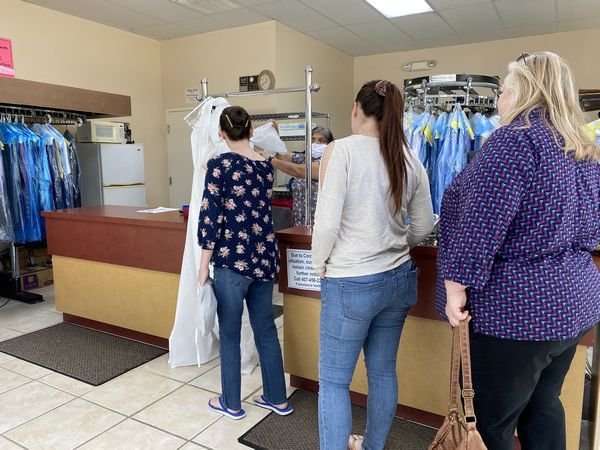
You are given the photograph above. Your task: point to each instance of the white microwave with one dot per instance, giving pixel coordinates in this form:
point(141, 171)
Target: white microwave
point(101, 131)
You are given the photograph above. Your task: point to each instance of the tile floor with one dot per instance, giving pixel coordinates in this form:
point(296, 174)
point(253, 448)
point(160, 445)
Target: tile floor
point(150, 407)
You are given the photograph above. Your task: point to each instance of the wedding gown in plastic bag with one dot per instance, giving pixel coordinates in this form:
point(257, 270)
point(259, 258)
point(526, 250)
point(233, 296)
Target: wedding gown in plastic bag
point(187, 345)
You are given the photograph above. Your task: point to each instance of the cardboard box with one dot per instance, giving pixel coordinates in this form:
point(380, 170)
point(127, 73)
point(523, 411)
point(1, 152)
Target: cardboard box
point(36, 277)
point(40, 256)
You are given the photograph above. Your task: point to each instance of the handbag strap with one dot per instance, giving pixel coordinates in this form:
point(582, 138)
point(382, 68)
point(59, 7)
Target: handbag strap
point(465, 355)
point(454, 370)
point(461, 355)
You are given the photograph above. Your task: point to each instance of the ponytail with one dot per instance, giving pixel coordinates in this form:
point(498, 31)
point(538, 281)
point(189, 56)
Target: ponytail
point(383, 100)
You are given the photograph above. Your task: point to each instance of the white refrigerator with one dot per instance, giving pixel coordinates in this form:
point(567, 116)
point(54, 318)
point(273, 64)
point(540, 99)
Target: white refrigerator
point(112, 174)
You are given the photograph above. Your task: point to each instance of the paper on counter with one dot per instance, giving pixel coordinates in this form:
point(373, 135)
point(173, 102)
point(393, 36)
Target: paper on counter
point(160, 209)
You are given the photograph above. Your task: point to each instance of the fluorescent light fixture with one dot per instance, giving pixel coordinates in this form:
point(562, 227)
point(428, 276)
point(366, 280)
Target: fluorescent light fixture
point(208, 6)
point(397, 8)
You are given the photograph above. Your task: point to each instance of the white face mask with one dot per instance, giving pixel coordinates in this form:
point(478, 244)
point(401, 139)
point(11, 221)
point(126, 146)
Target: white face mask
point(318, 150)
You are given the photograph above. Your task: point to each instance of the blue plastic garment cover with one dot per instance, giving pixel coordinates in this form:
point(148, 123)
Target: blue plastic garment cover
point(418, 142)
point(53, 155)
point(44, 177)
point(438, 139)
point(61, 154)
point(27, 167)
point(443, 168)
point(409, 117)
point(65, 165)
point(428, 133)
point(7, 233)
point(452, 157)
point(10, 156)
point(75, 170)
point(482, 128)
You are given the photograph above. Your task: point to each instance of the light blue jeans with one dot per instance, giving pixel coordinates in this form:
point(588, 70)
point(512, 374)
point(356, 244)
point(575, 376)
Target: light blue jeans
point(231, 288)
point(366, 312)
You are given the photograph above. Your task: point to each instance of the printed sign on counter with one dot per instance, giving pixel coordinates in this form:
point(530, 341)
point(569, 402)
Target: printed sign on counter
point(7, 68)
point(301, 274)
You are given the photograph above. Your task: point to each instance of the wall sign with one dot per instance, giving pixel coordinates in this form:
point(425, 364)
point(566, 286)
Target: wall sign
point(6, 59)
point(301, 274)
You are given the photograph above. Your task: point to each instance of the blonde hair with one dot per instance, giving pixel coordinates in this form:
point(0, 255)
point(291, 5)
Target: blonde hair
point(544, 80)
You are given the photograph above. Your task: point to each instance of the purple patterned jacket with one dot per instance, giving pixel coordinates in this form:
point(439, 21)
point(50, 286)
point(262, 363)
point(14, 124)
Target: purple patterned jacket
point(518, 226)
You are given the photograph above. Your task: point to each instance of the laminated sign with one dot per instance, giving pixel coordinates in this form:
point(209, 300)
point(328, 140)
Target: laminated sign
point(300, 272)
point(6, 60)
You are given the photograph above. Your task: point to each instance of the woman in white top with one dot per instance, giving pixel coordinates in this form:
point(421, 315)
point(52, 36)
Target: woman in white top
point(373, 206)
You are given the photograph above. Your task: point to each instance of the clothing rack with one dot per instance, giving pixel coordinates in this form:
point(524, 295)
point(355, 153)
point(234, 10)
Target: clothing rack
point(25, 114)
point(446, 91)
point(308, 89)
point(11, 288)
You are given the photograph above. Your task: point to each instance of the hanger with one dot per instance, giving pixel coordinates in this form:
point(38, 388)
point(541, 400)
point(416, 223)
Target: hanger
point(197, 108)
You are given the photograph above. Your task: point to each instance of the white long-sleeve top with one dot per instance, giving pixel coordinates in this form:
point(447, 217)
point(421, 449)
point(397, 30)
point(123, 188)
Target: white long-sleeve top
point(356, 231)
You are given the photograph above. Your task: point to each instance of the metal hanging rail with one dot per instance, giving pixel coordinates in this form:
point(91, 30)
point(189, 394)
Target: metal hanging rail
point(308, 89)
point(31, 114)
point(443, 91)
point(314, 88)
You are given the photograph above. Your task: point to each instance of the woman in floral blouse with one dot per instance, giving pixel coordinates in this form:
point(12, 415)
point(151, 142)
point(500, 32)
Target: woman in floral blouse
point(236, 235)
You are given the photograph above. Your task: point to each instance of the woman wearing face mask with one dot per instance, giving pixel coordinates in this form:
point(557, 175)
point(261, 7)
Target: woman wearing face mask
point(294, 164)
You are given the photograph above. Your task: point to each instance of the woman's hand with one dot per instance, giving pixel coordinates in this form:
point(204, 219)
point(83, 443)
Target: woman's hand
point(202, 276)
point(275, 125)
point(456, 299)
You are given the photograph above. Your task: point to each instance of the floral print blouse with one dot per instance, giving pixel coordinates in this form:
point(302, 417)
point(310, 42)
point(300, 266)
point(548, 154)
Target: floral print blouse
point(235, 216)
point(299, 194)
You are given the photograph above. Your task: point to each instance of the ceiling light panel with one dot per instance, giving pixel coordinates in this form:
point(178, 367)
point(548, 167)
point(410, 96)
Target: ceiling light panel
point(208, 6)
point(398, 8)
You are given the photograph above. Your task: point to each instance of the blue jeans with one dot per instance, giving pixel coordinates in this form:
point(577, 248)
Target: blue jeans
point(231, 289)
point(365, 312)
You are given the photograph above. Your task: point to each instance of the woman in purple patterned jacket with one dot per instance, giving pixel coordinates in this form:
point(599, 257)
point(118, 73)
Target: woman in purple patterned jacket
point(517, 230)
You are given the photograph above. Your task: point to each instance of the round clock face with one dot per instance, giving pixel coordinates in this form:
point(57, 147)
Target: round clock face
point(266, 80)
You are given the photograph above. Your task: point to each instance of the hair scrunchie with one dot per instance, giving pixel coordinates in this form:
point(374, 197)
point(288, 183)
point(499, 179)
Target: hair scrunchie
point(381, 87)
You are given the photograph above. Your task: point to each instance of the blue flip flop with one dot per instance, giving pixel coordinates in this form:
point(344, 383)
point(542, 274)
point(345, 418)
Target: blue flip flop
point(222, 409)
point(264, 403)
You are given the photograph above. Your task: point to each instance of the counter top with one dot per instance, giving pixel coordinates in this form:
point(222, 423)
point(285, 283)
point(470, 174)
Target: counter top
point(120, 214)
point(424, 256)
point(118, 235)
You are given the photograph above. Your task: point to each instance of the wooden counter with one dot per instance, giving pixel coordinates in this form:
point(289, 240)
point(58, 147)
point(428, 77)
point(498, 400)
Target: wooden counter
point(116, 269)
point(423, 364)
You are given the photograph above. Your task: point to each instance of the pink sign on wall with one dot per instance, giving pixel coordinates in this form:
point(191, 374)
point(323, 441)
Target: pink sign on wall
point(7, 68)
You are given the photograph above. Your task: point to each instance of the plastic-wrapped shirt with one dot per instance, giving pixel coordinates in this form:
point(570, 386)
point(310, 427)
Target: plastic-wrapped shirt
point(21, 184)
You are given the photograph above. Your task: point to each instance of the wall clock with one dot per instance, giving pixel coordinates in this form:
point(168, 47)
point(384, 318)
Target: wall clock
point(266, 80)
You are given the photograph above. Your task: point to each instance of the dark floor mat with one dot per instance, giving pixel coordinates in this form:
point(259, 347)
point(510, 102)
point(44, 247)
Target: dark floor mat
point(300, 430)
point(86, 355)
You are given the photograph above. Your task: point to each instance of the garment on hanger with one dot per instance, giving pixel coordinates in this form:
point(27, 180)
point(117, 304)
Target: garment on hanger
point(22, 188)
point(7, 233)
point(75, 168)
point(442, 141)
point(60, 167)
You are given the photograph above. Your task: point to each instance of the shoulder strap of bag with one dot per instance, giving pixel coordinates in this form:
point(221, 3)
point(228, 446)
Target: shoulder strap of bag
point(467, 392)
point(454, 370)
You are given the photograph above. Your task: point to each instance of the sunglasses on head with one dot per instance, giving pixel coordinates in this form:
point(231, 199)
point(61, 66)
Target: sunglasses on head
point(524, 56)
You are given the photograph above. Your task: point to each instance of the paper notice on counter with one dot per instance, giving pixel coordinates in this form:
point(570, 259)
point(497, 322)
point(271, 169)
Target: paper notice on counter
point(300, 272)
point(160, 209)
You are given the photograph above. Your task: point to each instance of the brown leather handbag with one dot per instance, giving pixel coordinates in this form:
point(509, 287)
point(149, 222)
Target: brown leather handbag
point(459, 432)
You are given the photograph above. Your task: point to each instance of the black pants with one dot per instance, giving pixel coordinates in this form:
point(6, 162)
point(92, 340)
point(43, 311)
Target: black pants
point(517, 386)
